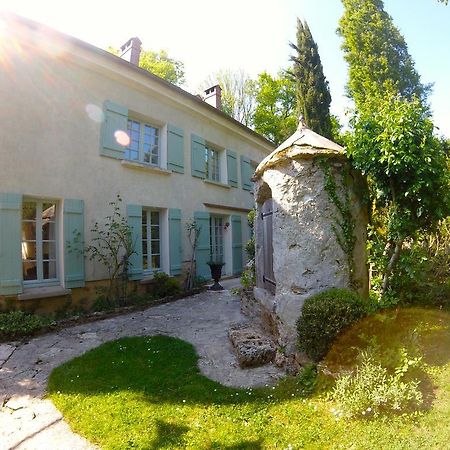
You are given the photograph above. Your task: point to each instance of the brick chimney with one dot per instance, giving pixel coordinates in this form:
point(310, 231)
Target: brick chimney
point(131, 51)
point(213, 96)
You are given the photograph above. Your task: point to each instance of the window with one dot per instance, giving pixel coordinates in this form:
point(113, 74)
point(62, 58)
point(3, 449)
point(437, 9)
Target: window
point(212, 164)
point(151, 240)
point(144, 143)
point(39, 252)
point(216, 238)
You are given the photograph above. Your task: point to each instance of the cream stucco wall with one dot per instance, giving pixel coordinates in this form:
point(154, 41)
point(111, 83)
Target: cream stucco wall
point(49, 145)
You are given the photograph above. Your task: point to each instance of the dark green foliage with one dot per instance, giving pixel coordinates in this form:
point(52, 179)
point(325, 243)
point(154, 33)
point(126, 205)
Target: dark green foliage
point(17, 324)
point(377, 55)
point(394, 145)
point(392, 141)
point(164, 286)
point(424, 270)
point(313, 93)
point(275, 114)
point(324, 317)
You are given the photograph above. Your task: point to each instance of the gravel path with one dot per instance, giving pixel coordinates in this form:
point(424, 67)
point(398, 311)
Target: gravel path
point(28, 421)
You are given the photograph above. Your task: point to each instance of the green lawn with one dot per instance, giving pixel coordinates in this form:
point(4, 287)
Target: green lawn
point(148, 393)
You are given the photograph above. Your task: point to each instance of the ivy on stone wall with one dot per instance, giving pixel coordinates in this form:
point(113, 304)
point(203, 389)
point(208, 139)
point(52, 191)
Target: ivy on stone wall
point(344, 225)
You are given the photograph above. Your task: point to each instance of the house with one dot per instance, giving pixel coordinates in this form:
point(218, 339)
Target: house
point(310, 233)
point(79, 126)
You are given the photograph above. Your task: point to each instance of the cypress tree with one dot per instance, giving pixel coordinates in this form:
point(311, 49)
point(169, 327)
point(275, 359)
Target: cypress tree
point(377, 55)
point(313, 93)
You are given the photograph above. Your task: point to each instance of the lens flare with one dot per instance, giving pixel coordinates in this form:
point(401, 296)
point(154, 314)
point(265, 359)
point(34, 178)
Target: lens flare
point(95, 113)
point(122, 138)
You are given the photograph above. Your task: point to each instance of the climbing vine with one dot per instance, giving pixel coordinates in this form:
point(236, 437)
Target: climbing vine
point(344, 226)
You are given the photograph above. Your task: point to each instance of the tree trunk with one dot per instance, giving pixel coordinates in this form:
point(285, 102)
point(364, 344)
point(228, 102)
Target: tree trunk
point(392, 262)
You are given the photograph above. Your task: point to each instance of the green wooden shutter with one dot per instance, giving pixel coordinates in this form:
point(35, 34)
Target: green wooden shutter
point(73, 214)
point(175, 149)
point(134, 217)
point(175, 248)
point(232, 168)
point(116, 119)
point(202, 253)
point(198, 162)
point(10, 244)
point(236, 243)
point(246, 173)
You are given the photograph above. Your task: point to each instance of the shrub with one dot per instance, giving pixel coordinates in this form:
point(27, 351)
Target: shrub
point(164, 286)
point(324, 316)
point(248, 277)
point(370, 390)
point(16, 324)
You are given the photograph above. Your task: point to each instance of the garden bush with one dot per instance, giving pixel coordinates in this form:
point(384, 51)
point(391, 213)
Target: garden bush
point(164, 286)
point(324, 317)
point(16, 324)
point(371, 390)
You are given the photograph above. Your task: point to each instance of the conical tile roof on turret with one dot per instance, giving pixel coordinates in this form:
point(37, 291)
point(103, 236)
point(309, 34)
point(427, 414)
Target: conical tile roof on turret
point(304, 143)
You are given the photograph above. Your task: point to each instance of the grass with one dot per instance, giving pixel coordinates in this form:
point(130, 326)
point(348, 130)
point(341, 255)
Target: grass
point(148, 393)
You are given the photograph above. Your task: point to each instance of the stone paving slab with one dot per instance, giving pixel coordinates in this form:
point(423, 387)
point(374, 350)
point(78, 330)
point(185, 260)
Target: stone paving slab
point(28, 421)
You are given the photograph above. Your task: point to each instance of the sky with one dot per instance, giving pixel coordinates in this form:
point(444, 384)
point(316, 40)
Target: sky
point(250, 35)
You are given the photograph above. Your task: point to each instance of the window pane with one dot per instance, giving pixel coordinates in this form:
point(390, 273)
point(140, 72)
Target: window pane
point(29, 250)
point(48, 250)
point(144, 248)
point(28, 231)
point(155, 217)
point(29, 211)
point(49, 270)
point(134, 143)
point(154, 160)
point(145, 263)
point(155, 247)
point(48, 231)
point(156, 261)
point(48, 211)
point(29, 270)
point(155, 232)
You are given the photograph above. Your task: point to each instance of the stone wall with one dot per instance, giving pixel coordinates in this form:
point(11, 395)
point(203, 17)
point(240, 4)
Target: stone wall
point(307, 257)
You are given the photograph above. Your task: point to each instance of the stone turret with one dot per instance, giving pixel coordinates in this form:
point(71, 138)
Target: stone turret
point(299, 249)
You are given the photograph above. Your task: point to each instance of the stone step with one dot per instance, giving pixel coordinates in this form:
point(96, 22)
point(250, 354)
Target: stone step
point(253, 348)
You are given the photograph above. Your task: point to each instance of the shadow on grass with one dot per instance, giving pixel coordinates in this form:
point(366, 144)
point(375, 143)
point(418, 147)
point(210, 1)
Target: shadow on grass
point(168, 435)
point(144, 381)
point(155, 383)
point(160, 369)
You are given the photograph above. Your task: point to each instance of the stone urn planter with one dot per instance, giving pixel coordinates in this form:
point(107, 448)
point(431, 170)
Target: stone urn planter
point(216, 274)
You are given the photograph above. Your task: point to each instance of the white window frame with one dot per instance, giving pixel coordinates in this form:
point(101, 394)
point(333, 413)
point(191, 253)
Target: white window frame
point(213, 163)
point(216, 223)
point(148, 238)
point(40, 280)
point(141, 143)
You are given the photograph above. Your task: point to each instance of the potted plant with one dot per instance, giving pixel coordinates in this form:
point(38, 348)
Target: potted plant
point(216, 273)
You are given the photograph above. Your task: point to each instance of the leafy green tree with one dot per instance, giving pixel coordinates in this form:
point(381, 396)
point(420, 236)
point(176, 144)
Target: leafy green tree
point(275, 114)
point(238, 94)
point(160, 64)
point(377, 55)
point(313, 93)
point(392, 140)
point(395, 147)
